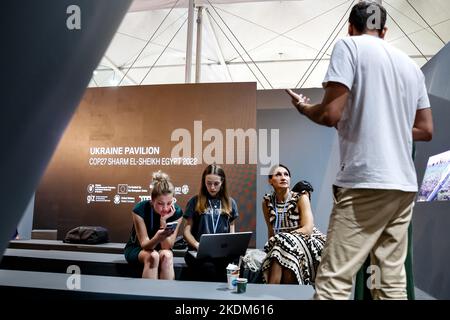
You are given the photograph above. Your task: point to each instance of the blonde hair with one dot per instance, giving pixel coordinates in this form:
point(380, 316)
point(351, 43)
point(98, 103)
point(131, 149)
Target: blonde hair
point(161, 184)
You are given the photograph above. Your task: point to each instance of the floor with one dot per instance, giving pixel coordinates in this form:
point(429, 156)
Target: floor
point(422, 295)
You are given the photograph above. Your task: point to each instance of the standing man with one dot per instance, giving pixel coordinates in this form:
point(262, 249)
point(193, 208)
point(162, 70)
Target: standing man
point(375, 96)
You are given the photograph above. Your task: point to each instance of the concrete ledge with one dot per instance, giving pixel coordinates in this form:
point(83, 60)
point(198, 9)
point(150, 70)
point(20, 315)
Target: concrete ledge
point(54, 285)
point(42, 244)
point(93, 263)
point(111, 247)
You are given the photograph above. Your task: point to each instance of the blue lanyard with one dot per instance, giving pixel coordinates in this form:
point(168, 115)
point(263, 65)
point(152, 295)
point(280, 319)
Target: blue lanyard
point(212, 215)
point(151, 218)
point(279, 221)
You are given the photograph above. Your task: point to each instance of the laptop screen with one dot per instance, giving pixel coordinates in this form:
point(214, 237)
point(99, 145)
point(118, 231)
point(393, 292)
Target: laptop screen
point(222, 245)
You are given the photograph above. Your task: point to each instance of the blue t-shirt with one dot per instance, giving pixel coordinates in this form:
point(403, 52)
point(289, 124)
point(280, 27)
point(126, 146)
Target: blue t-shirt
point(152, 220)
point(210, 221)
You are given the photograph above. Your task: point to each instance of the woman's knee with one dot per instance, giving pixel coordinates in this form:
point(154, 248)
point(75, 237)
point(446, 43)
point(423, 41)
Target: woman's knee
point(166, 257)
point(150, 257)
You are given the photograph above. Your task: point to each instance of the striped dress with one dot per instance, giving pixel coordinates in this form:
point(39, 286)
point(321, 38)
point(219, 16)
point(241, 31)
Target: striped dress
point(298, 252)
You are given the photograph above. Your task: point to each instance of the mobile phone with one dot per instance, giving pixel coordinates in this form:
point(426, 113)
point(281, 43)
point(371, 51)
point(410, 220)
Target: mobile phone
point(171, 225)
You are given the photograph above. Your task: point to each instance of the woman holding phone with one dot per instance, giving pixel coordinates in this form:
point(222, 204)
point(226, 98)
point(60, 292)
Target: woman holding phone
point(211, 211)
point(155, 227)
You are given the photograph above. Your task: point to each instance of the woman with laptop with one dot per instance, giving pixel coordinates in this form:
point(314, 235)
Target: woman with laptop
point(212, 211)
point(155, 226)
point(295, 245)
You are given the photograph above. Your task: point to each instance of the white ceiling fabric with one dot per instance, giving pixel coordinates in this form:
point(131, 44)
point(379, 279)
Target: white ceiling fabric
point(277, 40)
point(147, 5)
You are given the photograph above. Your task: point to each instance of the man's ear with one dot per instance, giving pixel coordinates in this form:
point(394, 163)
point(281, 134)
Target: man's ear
point(350, 29)
point(383, 33)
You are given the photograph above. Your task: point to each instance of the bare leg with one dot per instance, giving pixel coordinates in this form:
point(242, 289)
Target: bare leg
point(276, 271)
point(166, 265)
point(150, 259)
point(288, 277)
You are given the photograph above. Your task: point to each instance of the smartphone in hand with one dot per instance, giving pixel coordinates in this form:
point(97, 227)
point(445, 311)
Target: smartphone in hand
point(171, 226)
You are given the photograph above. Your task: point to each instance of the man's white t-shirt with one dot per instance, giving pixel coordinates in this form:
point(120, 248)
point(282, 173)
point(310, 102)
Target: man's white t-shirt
point(375, 130)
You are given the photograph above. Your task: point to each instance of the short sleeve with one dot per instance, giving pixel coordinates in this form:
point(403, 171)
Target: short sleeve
point(177, 215)
point(139, 208)
point(190, 208)
point(423, 102)
point(342, 64)
point(234, 210)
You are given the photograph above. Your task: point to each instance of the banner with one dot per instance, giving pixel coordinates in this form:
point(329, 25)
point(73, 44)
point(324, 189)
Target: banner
point(120, 135)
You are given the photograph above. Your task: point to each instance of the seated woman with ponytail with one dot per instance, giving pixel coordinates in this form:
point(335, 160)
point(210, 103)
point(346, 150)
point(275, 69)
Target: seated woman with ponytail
point(151, 238)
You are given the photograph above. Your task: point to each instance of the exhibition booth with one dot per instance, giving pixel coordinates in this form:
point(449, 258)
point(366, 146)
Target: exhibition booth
point(118, 136)
point(86, 158)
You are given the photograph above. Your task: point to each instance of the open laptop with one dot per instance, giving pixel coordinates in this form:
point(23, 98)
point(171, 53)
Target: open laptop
point(222, 245)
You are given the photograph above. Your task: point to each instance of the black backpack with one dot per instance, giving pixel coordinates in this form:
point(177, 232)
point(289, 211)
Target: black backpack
point(87, 235)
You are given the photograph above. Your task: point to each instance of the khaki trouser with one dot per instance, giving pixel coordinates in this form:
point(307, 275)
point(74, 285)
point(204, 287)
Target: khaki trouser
point(363, 222)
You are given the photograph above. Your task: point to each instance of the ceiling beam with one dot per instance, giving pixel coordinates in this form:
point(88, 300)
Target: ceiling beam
point(218, 48)
point(198, 51)
point(189, 40)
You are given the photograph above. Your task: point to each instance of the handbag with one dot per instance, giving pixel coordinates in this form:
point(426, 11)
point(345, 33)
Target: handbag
point(251, 265)
point(87, 235)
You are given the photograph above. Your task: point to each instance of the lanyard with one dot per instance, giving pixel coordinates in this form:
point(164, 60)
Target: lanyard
point(151, 217)
point(279, 221)
point(212, 215)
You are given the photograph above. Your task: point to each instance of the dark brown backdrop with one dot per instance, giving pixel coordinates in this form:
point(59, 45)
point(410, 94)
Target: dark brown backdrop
point(71, 190)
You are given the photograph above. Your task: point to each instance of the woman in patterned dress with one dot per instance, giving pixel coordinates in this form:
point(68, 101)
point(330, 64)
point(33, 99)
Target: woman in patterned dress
point(295, 245)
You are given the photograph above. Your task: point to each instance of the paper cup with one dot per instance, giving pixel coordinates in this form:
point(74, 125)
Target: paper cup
point(232, 268)
point(232, 281)
point(232, 276)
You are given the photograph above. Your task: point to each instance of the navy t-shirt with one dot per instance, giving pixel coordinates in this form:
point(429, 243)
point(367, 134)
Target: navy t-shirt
point(210, 221)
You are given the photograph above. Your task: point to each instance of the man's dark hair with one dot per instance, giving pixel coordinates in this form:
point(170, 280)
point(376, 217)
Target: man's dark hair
point(362, 16)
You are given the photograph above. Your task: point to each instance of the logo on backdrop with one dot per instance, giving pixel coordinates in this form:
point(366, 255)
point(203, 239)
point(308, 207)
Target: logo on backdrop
point(116, 199)
point(122, 189)
point(182, 190)
point(145, 198)
point(90, 198)
point(90, 188)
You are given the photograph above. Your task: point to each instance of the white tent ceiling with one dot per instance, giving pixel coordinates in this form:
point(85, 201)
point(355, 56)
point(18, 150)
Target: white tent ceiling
point(277, 41)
